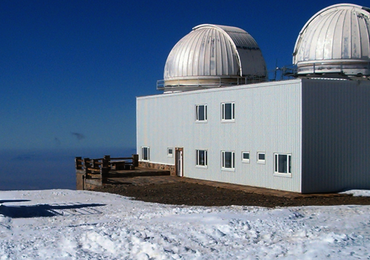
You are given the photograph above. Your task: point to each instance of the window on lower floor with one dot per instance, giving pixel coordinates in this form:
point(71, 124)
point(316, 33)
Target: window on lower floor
point(145, 153)
point(227, 160)
point(201, 158)
point(283, 163)
point(261, 157)
point(245, 157)
point(227, 111)
point(201, 113)
point(169, 152)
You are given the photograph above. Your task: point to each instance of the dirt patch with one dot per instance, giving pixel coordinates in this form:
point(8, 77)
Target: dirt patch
point(193, 194)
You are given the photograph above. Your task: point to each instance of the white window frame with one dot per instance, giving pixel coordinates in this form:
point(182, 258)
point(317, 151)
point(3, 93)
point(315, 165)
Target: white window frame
point(288, 172)
point(223, 112)
point(244, 160)
point(169, 152)
point(223, 161)
point(197, 158)
point(261, 161)
point(197, 113)
point(147, 157)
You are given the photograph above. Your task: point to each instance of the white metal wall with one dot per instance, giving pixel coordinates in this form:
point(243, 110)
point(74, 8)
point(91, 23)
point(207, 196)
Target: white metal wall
point(268, 118)
point(336, 135)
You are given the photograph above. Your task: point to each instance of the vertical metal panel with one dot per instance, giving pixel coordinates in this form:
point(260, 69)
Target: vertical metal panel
point(213, 50)
point(336, 135)
point(267, 118)
point(335, 40)
point(335, 32)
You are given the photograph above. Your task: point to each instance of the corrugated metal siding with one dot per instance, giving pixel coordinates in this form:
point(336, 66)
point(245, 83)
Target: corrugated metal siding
point(214, 50)
point(204, 52)
point(268, 118)
point(335, 40)
point(337, 32)
point(336, 135)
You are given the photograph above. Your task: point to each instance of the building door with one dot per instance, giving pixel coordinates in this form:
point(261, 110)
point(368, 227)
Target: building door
point(179, 161)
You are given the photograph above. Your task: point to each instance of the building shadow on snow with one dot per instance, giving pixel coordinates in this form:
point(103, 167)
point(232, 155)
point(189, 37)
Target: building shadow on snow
point(46, 210)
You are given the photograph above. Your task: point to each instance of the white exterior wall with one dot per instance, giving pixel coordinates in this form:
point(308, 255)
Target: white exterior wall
point(267, 118)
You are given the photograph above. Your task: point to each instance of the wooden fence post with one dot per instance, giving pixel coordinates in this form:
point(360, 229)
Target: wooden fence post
point(106, 161)
point(87, 165)
point(104, 175)
point(135, 160)
point(93, 165)
point(78, 163)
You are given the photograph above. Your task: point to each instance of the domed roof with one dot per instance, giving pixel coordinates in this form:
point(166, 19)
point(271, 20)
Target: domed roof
point(214, 55)
point(335, 40)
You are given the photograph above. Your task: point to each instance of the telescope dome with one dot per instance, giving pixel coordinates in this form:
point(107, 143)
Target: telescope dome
point(213, 56)
point(335, 41)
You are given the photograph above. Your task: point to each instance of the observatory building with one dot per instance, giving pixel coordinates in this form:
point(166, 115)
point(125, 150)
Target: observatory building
point(220, 119)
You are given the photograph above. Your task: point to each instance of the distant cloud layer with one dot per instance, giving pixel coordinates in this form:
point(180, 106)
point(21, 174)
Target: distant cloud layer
point(79, 136)
point(23, 157)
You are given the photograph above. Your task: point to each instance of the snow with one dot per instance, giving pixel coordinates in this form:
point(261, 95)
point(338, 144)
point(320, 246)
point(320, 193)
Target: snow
point(67, 224)
point(358, 193)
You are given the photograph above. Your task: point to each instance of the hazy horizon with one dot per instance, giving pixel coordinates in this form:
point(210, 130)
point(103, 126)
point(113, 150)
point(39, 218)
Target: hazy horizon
point(25, 169)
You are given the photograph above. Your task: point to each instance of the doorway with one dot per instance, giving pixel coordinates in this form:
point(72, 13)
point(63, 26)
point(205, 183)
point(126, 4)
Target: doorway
point(179, 161)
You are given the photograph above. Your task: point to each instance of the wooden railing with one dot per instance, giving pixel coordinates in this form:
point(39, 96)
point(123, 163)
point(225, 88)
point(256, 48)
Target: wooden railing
point(103, 166)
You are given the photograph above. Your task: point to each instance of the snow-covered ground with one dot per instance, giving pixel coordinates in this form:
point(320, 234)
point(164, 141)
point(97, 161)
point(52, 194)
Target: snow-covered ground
point(66, 224)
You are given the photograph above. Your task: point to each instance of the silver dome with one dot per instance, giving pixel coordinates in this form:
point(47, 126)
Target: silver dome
point(335, 41)
point(213, 56)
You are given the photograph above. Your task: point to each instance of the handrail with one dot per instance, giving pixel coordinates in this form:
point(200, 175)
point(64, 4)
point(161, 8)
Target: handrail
point(87, 164)
point(206, 82)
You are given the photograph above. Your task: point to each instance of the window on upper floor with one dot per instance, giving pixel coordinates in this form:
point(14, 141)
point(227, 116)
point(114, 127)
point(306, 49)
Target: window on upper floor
point(227, 111)
point(201, 113)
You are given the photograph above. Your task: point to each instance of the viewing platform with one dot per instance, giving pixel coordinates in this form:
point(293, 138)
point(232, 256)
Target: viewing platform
point(99, 171)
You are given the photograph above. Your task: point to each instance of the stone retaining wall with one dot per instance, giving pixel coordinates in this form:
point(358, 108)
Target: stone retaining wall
point(158, 166)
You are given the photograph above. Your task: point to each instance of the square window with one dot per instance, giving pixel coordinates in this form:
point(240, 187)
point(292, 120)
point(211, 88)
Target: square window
point(261, 157)
point(145, 153)
point(245, 157)
point(201, 158)
point(201, 113)
point(227, 111)
point(227, 160)
point(283, 164)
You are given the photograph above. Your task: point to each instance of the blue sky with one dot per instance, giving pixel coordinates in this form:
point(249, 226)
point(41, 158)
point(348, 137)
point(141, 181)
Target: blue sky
point(70, 70)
